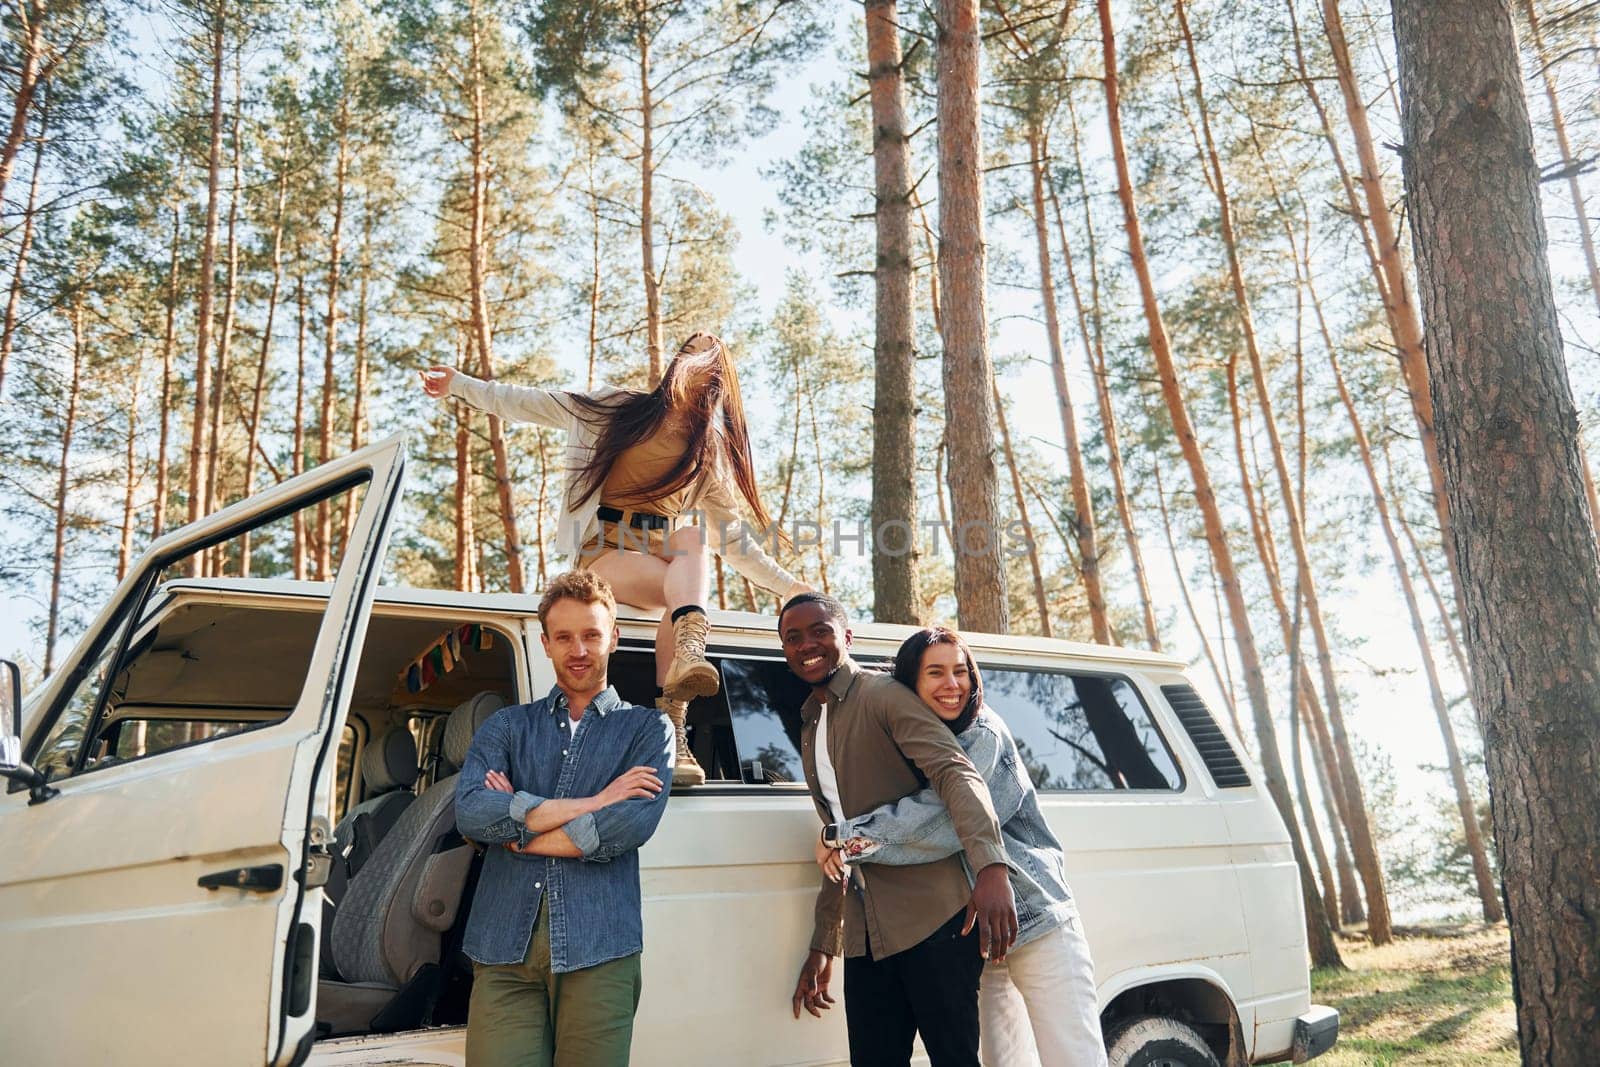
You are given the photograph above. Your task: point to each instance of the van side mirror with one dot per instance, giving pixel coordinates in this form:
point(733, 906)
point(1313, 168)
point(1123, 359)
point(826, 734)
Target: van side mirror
point(12, 765)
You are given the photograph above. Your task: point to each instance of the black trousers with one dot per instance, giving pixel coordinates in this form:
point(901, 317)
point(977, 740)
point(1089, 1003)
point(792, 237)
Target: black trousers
point(931, 988)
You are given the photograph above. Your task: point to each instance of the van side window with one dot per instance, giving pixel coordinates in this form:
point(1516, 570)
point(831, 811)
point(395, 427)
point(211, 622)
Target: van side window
point(764, 701)
point(1080, 731)
point(345, 770)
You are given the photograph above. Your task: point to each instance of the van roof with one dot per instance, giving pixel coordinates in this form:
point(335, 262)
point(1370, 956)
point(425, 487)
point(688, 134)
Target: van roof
point(751, 622)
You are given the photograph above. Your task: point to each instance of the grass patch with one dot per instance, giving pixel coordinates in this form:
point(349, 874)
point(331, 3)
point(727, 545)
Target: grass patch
point(1438, 996)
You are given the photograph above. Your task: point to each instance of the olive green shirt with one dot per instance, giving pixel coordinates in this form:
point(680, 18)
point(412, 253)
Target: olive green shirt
point(880, 734)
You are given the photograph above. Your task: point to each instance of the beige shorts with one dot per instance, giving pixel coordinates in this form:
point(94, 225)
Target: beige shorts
point(619, 535)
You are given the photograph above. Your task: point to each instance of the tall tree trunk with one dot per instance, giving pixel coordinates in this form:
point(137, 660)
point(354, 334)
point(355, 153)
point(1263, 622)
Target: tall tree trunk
point(544, 496)
point(1488, 897)
point(130, 471)
point(297, 463)
point(1324, 951)
point(258, 394)
point(1224, 689)
point(1439, 606)
point(894, 439)
point(199, 453)
point(1102, 386)
point(30, 75)
point(1305, 688)
point(980, 580)
point(1362, 842)
point(168, 340)
point(1041, 602)
point(330, 348)
point(822, 487)
point(594, 277)
point(358, 402)
point(1399, 307)
point(482, 329)
point(69, 425)
point(464, 497)
point(1083, 523)
point(1330, 901)
point(215, 495)
point(19, 270)
point(647, 174)
point(1508, 437)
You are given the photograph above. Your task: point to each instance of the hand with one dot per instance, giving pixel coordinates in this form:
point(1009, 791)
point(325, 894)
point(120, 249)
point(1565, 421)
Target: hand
point(811, 991)
point(831, 860)
point(796, 589)
point(436, 380)
point(521, 850)
point(636, 783)
point(497, 782)
point(995, 912)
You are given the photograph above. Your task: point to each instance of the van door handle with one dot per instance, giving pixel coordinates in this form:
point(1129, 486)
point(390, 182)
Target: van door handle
point(265, 879)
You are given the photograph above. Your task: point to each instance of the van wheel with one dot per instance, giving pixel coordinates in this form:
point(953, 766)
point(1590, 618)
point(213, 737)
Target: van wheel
point(1157, 1041)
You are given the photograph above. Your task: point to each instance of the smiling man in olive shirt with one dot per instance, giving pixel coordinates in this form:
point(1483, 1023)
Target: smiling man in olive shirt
point(912, 957)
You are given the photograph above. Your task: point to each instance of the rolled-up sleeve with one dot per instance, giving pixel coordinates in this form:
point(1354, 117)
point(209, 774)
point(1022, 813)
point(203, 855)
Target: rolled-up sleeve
point(483, 814)
point(617, 828)
point(928, 743)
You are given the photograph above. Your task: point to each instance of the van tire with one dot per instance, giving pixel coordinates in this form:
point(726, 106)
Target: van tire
point(1157, 1041)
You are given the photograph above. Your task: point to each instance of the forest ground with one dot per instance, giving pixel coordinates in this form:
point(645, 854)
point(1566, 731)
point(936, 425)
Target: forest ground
point(1438, 995)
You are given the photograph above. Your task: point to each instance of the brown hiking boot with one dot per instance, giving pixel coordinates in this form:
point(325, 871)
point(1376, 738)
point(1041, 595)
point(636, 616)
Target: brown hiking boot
point(689, 675)
point(686, 770)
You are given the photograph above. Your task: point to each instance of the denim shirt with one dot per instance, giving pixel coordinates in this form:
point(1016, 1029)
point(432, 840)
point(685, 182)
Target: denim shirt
point(917, 828)
point(594, 909)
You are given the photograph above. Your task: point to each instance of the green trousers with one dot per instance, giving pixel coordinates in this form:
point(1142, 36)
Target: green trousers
point(524, 1015)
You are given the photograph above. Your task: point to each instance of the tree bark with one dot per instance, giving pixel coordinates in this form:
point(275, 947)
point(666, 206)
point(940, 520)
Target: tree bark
point(258, 394)
point(199, 453)
point(1041, 602)
point(30, 75)
point(647, 165)
point(1509, 442)
point(130, 481)
point(1083, 523)
point(1324, 951)
point(1223, 688)
point(69, 424)
point(1399, 307)
point(980, 581)
point(330, 333)
point(1102, 384)
point(230, 303)
point(297, 463)
point(1362, 843)
point(482, 329)
point(894, 439)
point(19, 270)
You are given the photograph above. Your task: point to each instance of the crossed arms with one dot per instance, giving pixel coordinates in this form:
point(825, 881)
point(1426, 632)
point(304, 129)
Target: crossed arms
point(619, 818)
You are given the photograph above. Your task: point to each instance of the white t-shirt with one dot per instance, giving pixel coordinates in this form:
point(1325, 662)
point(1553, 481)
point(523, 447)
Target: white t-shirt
point(826, 778)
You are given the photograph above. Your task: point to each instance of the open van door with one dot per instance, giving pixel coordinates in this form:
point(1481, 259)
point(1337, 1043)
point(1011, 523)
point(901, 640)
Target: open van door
point(159, 896)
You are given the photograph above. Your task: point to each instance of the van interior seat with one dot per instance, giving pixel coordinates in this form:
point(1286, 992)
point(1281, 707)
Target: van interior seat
point(389, 930)
point(389, 769)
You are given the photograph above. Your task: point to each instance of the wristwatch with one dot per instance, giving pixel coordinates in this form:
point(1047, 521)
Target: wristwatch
point(830, 835)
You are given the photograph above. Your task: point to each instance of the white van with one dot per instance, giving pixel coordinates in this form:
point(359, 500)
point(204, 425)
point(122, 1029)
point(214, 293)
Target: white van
point(245, 850)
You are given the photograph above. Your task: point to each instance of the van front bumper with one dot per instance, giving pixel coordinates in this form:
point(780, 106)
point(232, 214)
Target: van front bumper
point(1315, 1032)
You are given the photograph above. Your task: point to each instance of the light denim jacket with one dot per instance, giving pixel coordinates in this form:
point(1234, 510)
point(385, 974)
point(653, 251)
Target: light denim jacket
point(917, 829)
point(594, 899)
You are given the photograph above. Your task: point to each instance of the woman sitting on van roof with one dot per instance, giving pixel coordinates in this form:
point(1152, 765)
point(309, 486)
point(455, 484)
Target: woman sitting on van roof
point(1038, 1005)
point(641, 467)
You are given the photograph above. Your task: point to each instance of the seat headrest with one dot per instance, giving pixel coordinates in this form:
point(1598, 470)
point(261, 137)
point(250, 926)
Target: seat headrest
point(390, 762)
point(464, 722)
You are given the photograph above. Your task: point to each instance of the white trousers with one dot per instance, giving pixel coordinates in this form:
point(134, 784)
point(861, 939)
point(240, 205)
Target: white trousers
point(1037, 1007)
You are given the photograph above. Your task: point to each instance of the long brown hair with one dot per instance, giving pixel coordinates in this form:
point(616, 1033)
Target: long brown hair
point(908, 667)
point(713, 413)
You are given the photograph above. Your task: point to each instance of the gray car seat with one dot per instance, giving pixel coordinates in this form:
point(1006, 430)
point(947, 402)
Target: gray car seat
point(388, 931)
point(388, 771)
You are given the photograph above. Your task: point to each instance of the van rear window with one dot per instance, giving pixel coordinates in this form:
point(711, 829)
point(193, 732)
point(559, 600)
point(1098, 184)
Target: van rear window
point(1081, 731)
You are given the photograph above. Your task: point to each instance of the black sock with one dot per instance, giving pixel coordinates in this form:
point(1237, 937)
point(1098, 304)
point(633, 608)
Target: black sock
point(681, 612)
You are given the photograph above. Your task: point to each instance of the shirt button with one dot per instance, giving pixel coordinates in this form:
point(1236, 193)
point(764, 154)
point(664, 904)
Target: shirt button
point(538, 885)
point(563, 752)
